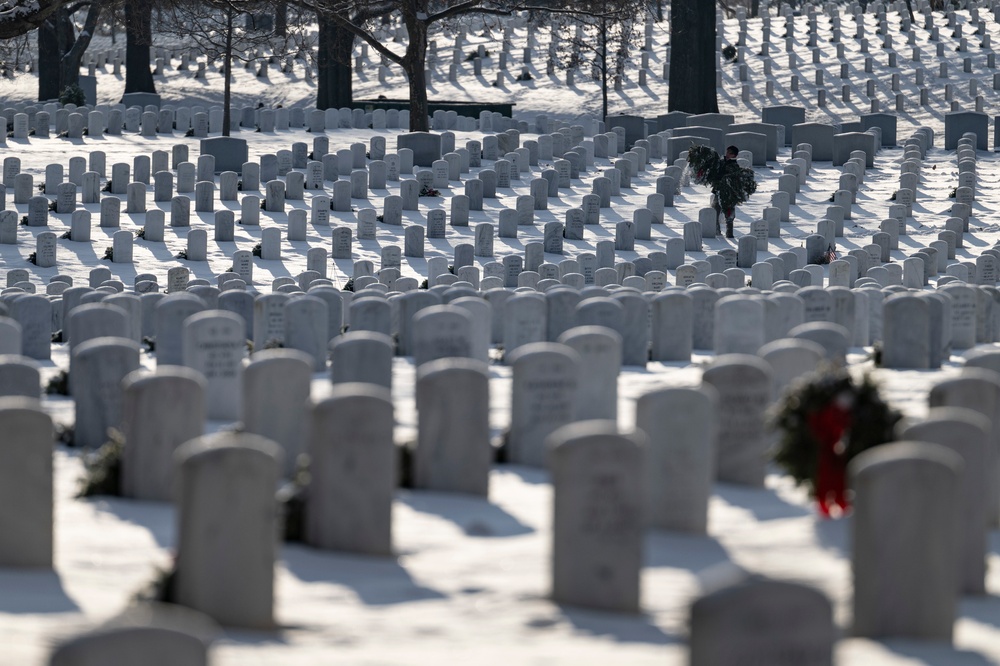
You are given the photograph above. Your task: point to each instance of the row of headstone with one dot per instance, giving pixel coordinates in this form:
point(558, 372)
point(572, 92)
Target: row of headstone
point(932, 37)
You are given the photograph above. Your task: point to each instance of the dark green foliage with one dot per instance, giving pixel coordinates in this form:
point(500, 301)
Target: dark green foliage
point(349, 285)
point(160, 589)
point(405, 465)
point(58, 384)
point(109, 254)
point(291, 499)
point(73, 94)
point(65, 434)
point(33, 258)
point(257, 250)
point(500, 455)
point(103, 468)
point(872, 421)
point(729, 52)
point(141, 232)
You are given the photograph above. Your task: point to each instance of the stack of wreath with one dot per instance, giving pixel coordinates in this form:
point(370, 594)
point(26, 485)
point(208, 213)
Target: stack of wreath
point(731, 183)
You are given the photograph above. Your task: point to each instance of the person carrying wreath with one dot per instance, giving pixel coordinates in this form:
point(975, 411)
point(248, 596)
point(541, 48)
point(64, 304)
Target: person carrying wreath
point(731, 184)
point(727, 168)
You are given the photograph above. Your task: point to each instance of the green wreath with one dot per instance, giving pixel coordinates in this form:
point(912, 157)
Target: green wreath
point(825, 420)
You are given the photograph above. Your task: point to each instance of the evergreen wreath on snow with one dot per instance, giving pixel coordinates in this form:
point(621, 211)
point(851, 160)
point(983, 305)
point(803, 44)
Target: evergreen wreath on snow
point(825, 419)
point(730, 182)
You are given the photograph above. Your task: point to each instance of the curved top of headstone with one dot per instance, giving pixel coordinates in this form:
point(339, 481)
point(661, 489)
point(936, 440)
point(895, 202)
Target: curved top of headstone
point(730, 360)
point(153, 646)
point(142, 376)
point(355, 337)
point(279, 356)
point(878, 457)
point(580, 431)
point(360, 390)
point(967, 374)
point(988, 359)
point(221, 444)
point(451, 364)
point(786, 344)
point(524, 353)
point(17, 403)
point(105, 341)
point(949, 414)
point(589, 331)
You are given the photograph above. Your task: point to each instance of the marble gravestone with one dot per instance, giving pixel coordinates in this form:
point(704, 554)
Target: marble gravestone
point(353, 471)
point(597, 526)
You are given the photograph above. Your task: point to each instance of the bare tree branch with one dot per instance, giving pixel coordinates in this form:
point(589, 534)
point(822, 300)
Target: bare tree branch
point(18, 17)
point(83, 40)
point(470, 6)
point(72, 9)
point(367, 36)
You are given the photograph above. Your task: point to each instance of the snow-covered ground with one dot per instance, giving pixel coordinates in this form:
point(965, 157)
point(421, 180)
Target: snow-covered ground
point(470, 581)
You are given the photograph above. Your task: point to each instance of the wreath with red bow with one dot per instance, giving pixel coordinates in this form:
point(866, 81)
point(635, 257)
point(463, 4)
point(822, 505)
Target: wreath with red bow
point(825, 420)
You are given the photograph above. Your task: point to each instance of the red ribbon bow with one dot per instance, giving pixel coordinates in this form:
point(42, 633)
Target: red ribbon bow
point(828, 426)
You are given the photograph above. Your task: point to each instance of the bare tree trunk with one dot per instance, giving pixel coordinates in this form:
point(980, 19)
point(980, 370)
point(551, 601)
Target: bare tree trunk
point(49, 55)
point(693, 57)
point(281, 18)
point(416, 58)
point(604, 68)
point(69, 66)
point(138, 38)
point(334, 78)
point(755, 8)
point(227, 94)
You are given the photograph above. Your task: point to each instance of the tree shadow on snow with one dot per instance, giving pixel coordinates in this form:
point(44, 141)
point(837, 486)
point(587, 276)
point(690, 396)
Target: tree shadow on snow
point(935, 654)
point(377, 581)
point(834, 535)
point(993, 541)
point(763, 503)
point(532, 475)
point(476, 516)
point(157, 517)
point(680, 550)
point(985, 609)
point(33, 591)
point(622, 627)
